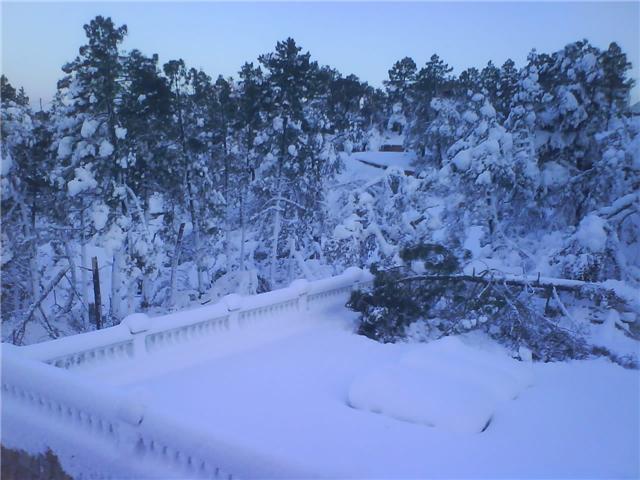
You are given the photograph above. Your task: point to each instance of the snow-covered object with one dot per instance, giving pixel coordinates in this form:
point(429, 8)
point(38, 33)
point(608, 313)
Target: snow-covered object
point(71, 392)
point(554, 174)
point(99, 215)
point(233, 301)
point(117, 343)
point(89, 127)
point(6, 163)
point(65, 147)
point(83, 180)
point(445, 384)
point(156, 204)
point(106, 149)
point(121, 133)
point(300, 285)
point(525, 354)
point(592, 234)
point(106, 416)
point(137, 322)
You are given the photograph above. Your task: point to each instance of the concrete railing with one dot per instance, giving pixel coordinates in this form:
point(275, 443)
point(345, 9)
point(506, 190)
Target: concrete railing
point(119, 421)
point(31, 379)
point(139, 334)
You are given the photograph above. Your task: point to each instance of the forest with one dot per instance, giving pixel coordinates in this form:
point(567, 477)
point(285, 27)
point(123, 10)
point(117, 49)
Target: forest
point(174, 188)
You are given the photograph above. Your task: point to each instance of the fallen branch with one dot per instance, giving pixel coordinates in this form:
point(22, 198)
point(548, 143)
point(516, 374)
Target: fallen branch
point(38, 302)
point(562, 284)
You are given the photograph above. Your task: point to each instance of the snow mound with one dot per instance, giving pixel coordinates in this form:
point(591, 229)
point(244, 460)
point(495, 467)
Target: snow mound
point(445, 384)
point(592, 234)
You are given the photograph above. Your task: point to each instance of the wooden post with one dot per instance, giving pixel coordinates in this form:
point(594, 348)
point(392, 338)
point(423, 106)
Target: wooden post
point(96, 293)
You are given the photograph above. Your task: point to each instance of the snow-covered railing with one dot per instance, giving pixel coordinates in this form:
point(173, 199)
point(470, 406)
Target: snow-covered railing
point(140, 335)
point(31, 378)
point(122, 422)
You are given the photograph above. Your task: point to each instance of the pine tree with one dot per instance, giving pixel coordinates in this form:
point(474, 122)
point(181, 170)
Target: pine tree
point(507, 84)
point(432, 80)
point(290, 88)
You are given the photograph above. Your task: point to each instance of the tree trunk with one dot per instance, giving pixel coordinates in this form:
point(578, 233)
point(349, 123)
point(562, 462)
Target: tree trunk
point(28, 233)
point(197, 247)
point(74, 277)
point(115, 287)
point(174, 267)
point(243, 228)
point(84, 266)
point(277, 220)
point(274, 245)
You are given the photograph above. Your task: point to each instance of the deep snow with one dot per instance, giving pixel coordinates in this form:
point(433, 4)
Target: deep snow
point(283, 390)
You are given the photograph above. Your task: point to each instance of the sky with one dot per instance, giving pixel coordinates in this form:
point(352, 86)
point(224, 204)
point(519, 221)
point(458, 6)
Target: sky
point(364, 38)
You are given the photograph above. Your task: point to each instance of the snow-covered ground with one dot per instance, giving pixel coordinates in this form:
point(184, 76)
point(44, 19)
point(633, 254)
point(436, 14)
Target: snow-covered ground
point(313, 397)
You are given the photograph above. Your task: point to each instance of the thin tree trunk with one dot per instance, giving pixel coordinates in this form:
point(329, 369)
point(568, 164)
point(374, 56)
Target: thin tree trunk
point(197, 247)
point(174, 267)
point(277, 220)
point(274, 245)
point(227, 206)
point(19, 334)
point(28, 232)
point(115, 287)
point(243, 228)
point(84, 266)
point(74, 278)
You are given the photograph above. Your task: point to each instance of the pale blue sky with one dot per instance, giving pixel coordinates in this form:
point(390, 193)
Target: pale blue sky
point(361, 38)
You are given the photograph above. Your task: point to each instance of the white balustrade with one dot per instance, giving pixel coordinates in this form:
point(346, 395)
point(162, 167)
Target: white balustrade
point(31, 378)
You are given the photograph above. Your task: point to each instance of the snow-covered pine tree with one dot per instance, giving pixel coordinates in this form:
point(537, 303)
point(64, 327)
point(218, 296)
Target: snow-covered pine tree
point(24, 194)
point(282, 187)
point(85, 122)
point(431, 81)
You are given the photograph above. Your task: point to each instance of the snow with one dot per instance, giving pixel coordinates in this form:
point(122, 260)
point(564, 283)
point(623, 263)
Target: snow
point(462, 160)
point(89, 127)
point(592, 234)
point(65, 147)
point(554, 174)
point(156, 204)
point(484, 178)
point(445, 384)
point(83, 181)
point(106, 148)
point(99, 215)
point(364, 409)
point(121, 133)
point(475, 233)
point(469, 116)
point(6, 163)
point(487, 110)
point(267, 403)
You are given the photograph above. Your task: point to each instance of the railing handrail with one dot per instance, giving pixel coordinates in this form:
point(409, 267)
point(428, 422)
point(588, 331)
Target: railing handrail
point(117, 416)
point(118, 341)
point(120, 420)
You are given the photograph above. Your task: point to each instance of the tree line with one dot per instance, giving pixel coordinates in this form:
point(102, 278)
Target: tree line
point(179, 182)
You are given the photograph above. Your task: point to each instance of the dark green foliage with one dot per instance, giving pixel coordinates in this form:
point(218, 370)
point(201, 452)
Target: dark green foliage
point(449, 302)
